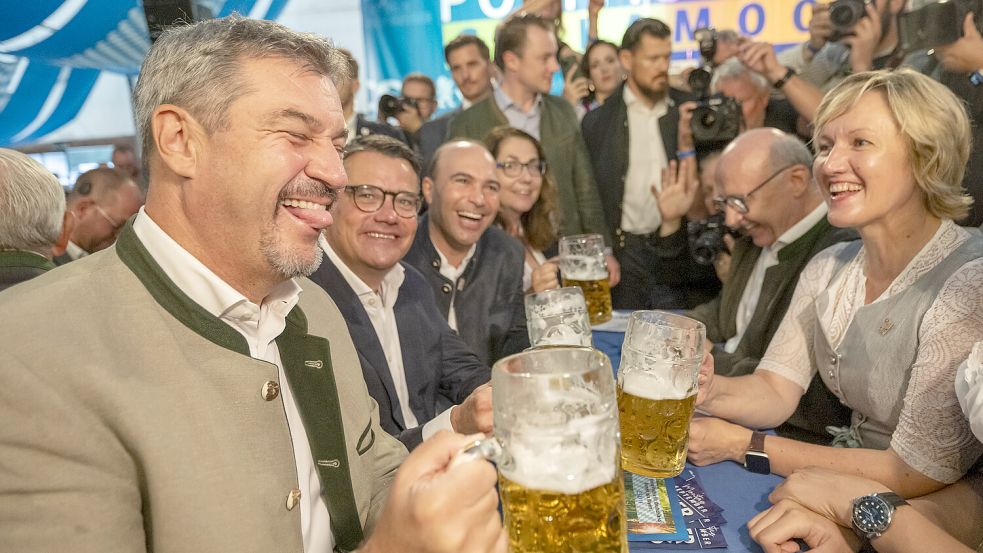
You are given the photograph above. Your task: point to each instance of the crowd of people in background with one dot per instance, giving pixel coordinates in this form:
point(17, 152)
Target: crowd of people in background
point(827, 241)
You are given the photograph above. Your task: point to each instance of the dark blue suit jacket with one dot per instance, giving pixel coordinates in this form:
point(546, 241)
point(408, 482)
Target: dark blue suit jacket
point(441, 370)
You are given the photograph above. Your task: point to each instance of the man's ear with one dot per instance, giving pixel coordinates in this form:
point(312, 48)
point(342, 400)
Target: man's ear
point(178, 138)
point(800, 179)
point(625, 57)
point(427, 189)
point(67, 226)
point(511, 61)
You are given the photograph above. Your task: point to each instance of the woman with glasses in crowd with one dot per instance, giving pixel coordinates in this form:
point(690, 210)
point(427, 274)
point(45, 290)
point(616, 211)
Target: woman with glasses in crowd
point(527, 197)
point(885, 320)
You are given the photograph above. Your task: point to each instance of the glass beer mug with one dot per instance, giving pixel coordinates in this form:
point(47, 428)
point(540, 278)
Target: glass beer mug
point(556, 446)
point(657, 386)
point(582, 264)
point(558, 318)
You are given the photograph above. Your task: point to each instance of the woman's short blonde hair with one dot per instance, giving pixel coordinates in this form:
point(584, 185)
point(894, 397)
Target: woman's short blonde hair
point(933, 122)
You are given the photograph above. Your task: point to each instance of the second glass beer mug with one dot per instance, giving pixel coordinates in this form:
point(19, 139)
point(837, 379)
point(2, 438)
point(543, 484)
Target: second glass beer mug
point(558, 318)
point(560, 478)
point(582, 264)
point(657, 386)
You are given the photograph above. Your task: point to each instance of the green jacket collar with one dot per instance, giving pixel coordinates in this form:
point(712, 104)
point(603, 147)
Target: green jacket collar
point(26, 259)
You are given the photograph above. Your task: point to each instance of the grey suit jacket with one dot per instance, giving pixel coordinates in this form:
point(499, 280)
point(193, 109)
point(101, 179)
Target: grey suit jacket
point(440, 369)
point(129, 427)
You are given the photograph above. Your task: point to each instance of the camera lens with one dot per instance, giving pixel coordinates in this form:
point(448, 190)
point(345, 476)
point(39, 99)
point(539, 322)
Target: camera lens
point(846, 13)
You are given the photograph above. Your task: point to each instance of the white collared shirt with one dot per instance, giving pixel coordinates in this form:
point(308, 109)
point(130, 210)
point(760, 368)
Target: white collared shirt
point(453, 273)
point(646, 159)
point(259, 325)
point(380, 309)
point(768, 258)
point(523, 120)
point(351, 126)
point(75, 251)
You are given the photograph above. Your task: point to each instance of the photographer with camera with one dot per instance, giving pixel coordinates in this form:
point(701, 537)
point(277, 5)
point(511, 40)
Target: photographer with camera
point(766, 192)
point(631, 140)
point(417, 102)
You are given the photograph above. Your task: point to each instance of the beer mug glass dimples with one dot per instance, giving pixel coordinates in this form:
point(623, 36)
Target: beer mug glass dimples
point(558, 318)
point(559, 473)
point(657, 386)
point(582, 264)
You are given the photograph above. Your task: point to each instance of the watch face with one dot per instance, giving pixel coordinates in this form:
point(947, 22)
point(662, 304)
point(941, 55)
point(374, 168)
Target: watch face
point(757, 462)
point(872, 515)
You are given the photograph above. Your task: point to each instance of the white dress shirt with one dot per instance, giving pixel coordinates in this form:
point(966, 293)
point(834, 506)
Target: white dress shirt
point(768, 258)
point(452, 273)
point(259, 325)
point(75, 251)
point(646, 160)
point(379, 307)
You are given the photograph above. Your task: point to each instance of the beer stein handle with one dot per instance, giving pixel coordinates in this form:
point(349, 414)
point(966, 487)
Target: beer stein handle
point(489, 449)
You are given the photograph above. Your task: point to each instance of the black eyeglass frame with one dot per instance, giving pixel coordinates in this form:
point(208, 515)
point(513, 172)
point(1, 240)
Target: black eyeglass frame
point(518, 167)
point(417, 199)
point(739, 203)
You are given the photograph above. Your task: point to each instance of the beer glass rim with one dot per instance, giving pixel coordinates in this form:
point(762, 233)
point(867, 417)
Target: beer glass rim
point(545, 294)
point(581, 237)
point(603, 361)
point(666, 318)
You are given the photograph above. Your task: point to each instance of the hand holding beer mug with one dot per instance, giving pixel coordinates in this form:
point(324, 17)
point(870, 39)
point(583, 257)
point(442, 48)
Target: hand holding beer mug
point(582, 264)
point(558, 318)
point(556, 447)
point(657, 387)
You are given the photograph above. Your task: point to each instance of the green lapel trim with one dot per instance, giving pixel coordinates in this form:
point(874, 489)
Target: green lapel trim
point(805, 242)
point(132, 252)
point(25, 259)
point(307, 364)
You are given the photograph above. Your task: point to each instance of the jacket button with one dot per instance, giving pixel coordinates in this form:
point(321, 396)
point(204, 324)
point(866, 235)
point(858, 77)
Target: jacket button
point(293, 498)
point(435, 263)
point(445, 288)
point(271, 390)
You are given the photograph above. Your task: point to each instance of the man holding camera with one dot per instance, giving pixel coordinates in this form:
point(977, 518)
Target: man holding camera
point(416, 103)
point(631, 140)
point(765, 189)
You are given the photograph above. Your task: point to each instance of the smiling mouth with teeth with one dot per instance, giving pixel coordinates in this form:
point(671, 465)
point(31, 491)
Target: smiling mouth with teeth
point(381, 236)
point(470, 215)
point(303, 204)
point(842, 187)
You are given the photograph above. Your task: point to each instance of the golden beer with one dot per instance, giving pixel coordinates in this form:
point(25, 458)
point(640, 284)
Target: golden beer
point(654, 433)
point(597, 294)
point(592, 521)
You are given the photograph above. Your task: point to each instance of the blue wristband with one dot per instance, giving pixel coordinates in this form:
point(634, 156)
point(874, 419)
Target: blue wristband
point(976, 78)
point(685, 154)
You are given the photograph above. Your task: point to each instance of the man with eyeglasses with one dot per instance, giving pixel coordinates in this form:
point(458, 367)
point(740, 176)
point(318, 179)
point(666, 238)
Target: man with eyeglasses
point(474, 268)
point(419, 96)
point(101, 202)
point(764, 186)
point(414, 365)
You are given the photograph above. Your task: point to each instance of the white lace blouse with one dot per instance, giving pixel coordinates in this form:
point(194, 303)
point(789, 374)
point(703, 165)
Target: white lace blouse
point(932, 435)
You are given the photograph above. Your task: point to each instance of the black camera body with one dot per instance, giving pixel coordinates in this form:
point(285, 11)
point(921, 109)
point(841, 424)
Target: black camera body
point(390, 106)
point(706, 238)
point(844, 14)
point(936, 23)
point(716, 118)
point(706, 39)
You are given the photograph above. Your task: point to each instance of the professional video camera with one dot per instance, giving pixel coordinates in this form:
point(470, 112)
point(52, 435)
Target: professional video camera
point(390, 106)
point(932, 23)
point(844, 14)
point(706, 238)
point(716, 118)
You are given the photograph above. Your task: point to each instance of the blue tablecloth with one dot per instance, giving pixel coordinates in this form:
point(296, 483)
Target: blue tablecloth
point(742, 494)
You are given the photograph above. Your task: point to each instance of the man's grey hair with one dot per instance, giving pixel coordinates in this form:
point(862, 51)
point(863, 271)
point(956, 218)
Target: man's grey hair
point(788, 150)
point(198, 67)
point(32, 204)
point(734, 69)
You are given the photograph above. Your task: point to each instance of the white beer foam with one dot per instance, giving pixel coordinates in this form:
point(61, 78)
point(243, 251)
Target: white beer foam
point(578, 456)
point(654, 386)
point(583, 267)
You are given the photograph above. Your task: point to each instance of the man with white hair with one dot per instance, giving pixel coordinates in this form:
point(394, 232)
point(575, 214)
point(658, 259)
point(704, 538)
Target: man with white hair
point(33, 224)
point(760, 109)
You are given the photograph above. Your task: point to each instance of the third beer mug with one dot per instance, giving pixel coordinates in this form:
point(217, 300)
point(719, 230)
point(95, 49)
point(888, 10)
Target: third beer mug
point(559, 476)
point(582, 264)
point(657, 385)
